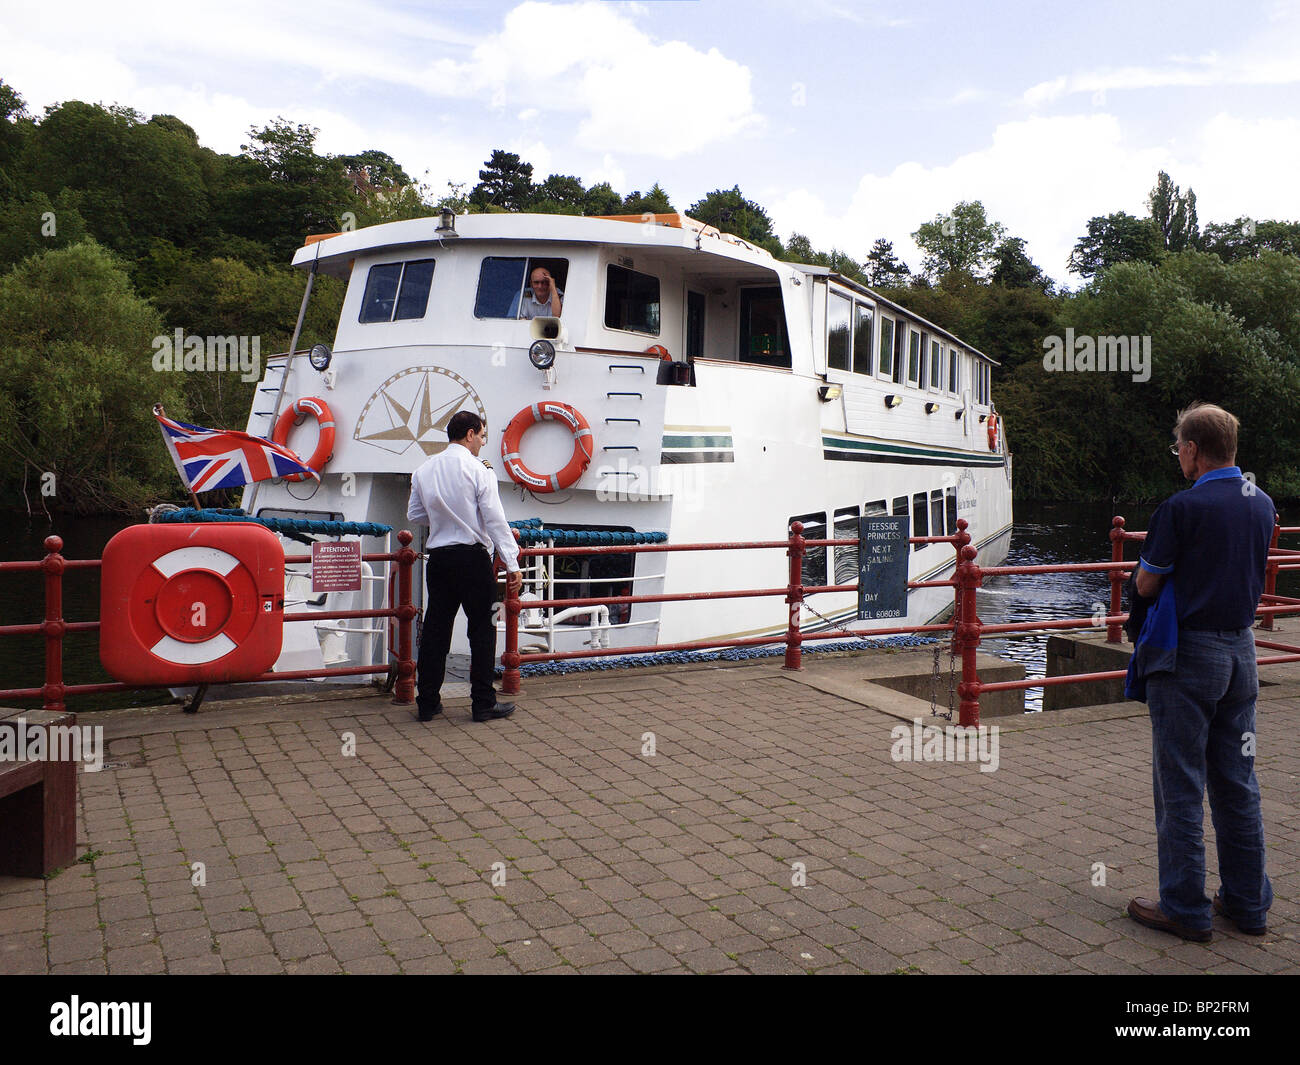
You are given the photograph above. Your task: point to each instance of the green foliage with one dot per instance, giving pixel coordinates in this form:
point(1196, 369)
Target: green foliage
point(655, 201)
point(15, 125)
point(559, 194)
point(601, 199)
point(506, 182)
point(1174, 214)
point(1246, 238)
point(1013, 268)
point(78, 389)
point(963, 241)
point(1116, 238)
point(883, 268)
point(729, 211)
point(33, 223)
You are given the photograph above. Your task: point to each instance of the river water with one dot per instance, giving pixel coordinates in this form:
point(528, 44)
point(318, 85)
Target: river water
point(1044, 534)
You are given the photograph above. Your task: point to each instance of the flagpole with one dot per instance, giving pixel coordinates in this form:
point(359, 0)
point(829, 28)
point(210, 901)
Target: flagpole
point(288, 363)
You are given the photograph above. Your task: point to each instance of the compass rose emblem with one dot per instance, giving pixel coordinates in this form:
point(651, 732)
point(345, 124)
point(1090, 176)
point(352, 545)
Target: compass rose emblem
point(413, 407)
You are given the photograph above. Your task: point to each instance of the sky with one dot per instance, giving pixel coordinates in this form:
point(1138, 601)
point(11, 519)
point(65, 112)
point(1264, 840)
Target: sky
point(847, 121)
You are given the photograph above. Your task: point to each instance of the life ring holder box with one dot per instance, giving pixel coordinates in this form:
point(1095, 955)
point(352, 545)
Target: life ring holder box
point(191, 604)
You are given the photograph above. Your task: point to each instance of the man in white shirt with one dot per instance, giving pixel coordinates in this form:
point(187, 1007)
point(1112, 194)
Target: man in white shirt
point(546, 300)
point(455, 494)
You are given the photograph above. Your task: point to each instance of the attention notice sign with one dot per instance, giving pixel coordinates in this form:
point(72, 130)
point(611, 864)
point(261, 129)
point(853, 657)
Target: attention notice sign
point(882, 566)
point(336, 566)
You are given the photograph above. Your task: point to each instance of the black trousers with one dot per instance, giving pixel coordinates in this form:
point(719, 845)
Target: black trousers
point(458, 576)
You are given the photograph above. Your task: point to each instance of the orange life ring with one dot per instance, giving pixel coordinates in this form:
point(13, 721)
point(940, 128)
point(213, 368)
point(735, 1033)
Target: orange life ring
point(993, 432)
point(661, 351)
point(324, 420)
point(525, 420)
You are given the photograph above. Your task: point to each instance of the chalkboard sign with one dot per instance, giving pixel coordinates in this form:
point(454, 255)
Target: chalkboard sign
point(882, 566)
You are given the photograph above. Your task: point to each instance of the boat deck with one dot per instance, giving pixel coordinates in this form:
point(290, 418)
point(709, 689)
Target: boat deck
point(617, 862)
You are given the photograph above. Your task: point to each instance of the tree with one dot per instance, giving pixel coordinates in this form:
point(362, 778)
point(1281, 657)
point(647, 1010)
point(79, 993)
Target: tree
point(1173, 214)
point(1013, 268)
point(505, 183)
point(559, 194)
point(883, 268)
point(729, 211)
point(1115, 238)
point(962, 241)
point(14, 127)
point(371, 171)
point(78, 388)
point(601, 199)
point(653, 202)
point(1245, 238)
point(34, 223)
point(134, 180)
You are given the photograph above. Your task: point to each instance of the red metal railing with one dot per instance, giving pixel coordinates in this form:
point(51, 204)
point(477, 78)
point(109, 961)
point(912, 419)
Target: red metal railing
point(966, 628)
point(54, 628)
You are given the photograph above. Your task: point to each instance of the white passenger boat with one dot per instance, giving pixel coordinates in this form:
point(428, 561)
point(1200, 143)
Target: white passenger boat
point(727, 394)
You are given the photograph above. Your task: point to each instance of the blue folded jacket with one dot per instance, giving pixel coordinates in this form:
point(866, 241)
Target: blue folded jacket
point(1156, 650)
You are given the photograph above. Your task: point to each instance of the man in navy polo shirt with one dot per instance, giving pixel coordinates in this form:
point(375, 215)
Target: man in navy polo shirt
point(1211, 541)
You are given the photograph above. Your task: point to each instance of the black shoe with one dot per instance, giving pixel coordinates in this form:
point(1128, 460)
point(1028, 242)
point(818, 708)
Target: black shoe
point(429, 715)
point(1222, 911)
point(492, 713)
point(1148, 912)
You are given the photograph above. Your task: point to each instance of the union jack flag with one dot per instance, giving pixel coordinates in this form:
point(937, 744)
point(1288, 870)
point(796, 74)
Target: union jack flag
point(208, 459)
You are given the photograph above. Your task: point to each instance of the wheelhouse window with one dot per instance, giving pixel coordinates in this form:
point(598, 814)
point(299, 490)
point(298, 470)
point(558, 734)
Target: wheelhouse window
point(839, 313)
point(936, 365)
point(814, 558)
point(631, 301)
point(763, 336)
point(504, 283)
point(862, 325)
point(396, 291)
point(954, 371)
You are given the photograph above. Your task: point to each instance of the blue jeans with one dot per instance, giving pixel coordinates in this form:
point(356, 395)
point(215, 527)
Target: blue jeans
point(1203, 734)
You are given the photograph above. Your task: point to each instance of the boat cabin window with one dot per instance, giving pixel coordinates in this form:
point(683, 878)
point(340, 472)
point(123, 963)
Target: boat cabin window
point(954, 371)
point(839, 313)
point(846, 555)
point(936, 513)
point(814, 558)
point(920, 524)
point(503, 283)
point(950, 508)
point(862, 323)
point(936, 365)
point(763, 336)
point(886, 346)
point(874, 509)
point(914, 357)
point(396, 291)
point(631, 301)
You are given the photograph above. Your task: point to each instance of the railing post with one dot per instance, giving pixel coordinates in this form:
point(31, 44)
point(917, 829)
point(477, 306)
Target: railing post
point(404, 690)
point(1113, 630)
point(968, 575)
point(510, 660)
point(1270, 574)
point(794, 596)
point(963, 540)
point(54, 627)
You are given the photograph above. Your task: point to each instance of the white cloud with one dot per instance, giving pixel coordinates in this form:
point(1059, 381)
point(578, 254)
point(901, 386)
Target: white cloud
point(630, 92)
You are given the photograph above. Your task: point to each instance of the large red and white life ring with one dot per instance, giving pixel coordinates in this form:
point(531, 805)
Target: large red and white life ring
point(189, 604)
point(320, 410)
point(525, 420)
point(993, 432)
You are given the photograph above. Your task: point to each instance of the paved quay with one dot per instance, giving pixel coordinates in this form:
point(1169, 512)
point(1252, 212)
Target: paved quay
point(770, 831)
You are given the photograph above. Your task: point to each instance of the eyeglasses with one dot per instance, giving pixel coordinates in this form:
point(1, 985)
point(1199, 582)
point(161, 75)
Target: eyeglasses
point(1174, 449)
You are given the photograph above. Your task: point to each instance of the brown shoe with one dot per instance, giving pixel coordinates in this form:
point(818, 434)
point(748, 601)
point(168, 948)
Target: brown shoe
point(1222, 911)
point(1148, 912)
